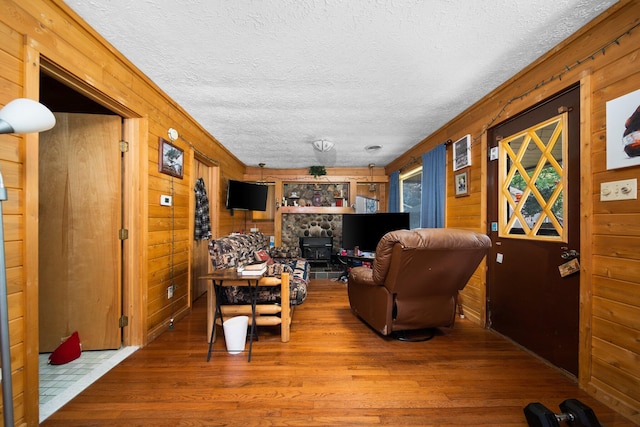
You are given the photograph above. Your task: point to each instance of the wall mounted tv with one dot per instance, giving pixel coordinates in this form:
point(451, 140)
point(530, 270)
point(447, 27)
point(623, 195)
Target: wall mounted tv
point(366, 230)
point(246, 196)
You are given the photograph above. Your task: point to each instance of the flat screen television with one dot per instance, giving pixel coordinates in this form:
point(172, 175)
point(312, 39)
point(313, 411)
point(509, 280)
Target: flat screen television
point(366, 230)
point(246, 196)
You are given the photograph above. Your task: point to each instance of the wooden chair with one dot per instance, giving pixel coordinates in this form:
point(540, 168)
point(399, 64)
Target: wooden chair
point(268, 314)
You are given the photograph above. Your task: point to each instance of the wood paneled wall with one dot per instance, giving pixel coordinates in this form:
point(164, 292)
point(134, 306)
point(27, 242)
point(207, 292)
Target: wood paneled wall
point(30, 30)
point(604, 57)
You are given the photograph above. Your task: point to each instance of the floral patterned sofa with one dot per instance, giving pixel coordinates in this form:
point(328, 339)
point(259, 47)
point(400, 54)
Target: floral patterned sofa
point(237, 250)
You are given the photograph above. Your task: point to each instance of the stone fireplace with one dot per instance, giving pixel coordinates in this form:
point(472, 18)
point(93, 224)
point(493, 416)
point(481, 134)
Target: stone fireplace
point(296, 225)
point(316, 249)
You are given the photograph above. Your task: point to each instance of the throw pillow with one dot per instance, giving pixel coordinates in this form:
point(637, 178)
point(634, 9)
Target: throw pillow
point(67, 351)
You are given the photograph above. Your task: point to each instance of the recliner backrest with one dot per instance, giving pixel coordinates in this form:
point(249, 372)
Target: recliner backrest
point(428, 261)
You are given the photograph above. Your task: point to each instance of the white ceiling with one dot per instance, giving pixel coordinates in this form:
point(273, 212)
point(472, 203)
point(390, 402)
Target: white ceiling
point(266, 78)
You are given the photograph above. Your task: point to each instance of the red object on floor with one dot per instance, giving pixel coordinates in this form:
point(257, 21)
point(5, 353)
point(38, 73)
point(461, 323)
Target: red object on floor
point(67, 351)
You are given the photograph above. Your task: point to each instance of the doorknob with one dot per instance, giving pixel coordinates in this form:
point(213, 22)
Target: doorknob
point(570, 254)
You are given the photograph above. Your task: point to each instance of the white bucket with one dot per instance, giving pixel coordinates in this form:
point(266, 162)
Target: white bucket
point(235, 333)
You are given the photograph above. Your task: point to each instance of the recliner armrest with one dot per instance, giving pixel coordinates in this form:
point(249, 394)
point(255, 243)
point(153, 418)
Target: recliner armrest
point(362, 276)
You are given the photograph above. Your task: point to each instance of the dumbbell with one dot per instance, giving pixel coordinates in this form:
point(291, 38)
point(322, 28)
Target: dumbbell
point(574, 413)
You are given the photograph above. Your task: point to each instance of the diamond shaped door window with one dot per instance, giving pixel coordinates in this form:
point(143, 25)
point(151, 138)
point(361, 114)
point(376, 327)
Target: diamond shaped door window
point(533, 182)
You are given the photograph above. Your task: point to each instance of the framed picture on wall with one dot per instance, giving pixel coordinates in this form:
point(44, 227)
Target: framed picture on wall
point(623, 131)
point(461, 181)
point(170, 159)
point(462, 153)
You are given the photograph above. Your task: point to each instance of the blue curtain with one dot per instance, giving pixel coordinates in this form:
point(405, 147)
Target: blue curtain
point(433, 187)
point(394, 192)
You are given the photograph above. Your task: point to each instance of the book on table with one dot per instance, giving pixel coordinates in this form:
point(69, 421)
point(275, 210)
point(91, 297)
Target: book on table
point(256, 273)
point(255, 266)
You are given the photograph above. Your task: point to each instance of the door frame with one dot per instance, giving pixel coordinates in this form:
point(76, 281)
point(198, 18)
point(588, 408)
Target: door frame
point(586, 214)
point(135, 179)
point(134, 182)
point(586, 231)
point(212, 184)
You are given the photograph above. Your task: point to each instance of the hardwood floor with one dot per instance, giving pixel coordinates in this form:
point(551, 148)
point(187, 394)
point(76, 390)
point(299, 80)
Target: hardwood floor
point(334, 371)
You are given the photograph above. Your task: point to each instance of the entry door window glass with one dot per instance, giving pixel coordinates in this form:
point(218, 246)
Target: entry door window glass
point(411, 195)
point(533, 182)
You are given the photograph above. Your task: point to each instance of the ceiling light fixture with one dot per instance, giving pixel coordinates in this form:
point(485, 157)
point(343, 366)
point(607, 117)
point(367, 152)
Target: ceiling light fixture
point(372, 186)
point(373, 148)
point(323, 145)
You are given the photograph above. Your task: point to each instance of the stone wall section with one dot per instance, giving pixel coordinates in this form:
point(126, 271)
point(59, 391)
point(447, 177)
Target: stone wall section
point(298, 225)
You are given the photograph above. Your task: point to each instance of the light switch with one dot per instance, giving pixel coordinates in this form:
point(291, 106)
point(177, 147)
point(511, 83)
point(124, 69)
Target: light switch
point(165, 200)
point(493, 153)
point(626, 189)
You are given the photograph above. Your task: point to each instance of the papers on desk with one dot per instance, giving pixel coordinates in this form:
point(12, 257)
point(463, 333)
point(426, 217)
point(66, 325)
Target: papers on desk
point(254, 273)
point(253, 270)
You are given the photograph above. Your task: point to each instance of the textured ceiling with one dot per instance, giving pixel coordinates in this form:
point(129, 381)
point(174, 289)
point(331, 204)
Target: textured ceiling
point(266, 78)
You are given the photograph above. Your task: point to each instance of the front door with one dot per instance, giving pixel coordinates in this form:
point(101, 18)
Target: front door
point(534, 223)
point(79, 219)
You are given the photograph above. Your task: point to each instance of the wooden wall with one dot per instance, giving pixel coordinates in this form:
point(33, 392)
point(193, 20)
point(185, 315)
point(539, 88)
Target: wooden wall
point(35, 29)
point(604, 57)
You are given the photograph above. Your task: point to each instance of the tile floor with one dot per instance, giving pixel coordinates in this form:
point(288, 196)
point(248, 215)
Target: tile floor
point(61, 383)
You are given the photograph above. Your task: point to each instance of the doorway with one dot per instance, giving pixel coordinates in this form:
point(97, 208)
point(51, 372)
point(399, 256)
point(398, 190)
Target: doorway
point(61, 91)
point(533, 210)
point(201, 264)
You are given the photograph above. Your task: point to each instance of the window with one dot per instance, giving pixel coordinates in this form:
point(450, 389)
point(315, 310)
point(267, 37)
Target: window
point(533, 182)
point(411, 195)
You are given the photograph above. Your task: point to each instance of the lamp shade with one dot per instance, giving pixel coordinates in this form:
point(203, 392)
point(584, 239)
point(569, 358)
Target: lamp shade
point(23, 115)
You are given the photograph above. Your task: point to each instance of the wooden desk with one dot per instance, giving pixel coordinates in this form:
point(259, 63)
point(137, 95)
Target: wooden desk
point(265, 314)
point(232, 278)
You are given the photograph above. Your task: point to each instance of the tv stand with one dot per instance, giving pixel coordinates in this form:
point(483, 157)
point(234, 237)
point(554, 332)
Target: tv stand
point(357, 259)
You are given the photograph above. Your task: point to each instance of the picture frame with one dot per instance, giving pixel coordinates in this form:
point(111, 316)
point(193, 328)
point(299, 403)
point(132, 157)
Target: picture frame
point(623, 131)
point(461, 183)
point(462, 153)
point(170, 158)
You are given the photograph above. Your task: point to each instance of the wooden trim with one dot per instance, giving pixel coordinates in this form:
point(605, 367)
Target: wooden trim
point(81, 87)
point(277, 217)
point(143, 225)
point(31, 396)
point(214, 201)
point(586, 230)
point(190, 161)
point(135, 201)
point(484, 268)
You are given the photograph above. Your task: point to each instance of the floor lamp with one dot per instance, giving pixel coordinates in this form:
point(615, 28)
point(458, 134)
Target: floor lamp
point(21, 115)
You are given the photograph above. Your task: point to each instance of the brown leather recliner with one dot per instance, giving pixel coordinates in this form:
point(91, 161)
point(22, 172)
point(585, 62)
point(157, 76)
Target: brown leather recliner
point(415, 278)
